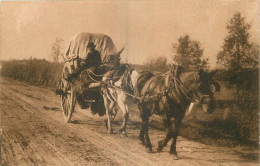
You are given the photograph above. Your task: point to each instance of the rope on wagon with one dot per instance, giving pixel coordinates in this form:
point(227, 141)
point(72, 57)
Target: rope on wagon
point(93, 79)
point(143, 98)
point(97, 75)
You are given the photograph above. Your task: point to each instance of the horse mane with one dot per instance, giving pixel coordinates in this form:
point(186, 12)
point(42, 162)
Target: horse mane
point(187, 77)
point(120, 71)
point(123, 68)
point(125, 73)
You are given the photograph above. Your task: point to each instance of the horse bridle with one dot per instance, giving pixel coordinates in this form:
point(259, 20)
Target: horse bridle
point(190, 93)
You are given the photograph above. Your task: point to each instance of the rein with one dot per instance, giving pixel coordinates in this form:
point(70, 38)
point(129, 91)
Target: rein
point(158, 96)
point(174, 84)
point(189, 94)
point(97, 75)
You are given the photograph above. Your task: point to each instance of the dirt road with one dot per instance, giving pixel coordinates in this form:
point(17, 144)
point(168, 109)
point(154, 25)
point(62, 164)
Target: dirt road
point(33, 133)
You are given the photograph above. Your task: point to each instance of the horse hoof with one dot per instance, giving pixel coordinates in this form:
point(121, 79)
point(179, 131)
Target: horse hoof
point(141, 142)
point(141, 138)
point(160, 147)
point(149, 150)
point(123, 133)
point(106, 126)
point(110, 131)
point(174, 155)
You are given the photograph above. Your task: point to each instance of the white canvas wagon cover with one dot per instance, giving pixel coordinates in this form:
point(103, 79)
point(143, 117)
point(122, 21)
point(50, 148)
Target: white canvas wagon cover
point(104, 45)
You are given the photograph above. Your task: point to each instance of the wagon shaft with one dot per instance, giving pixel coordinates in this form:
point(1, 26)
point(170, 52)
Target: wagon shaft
point(94, 85)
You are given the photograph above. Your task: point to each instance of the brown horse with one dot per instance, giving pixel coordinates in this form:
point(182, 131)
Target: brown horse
point(169, 96)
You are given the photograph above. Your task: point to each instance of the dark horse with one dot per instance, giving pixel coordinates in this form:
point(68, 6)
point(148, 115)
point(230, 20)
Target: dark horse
point(169, 95)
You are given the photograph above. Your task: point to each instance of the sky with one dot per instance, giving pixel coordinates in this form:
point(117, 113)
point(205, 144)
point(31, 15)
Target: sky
point(146, 29)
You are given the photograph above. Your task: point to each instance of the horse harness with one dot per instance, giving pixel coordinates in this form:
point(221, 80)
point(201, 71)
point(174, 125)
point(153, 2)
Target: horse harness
point(175, 86)
point(176, 83)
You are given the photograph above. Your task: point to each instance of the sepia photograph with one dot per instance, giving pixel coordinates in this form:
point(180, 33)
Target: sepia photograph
point(129, 83)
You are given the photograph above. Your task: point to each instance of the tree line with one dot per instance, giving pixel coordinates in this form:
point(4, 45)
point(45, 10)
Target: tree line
point(237, 58)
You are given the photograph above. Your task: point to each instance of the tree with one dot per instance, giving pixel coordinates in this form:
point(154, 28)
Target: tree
point(234, 54)
point(56, 49)
point(157, 64)
point(238, 54)
point(189, 54)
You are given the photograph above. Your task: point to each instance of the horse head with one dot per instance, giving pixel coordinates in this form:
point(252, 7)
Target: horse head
point(204, 88)
point(113, 60)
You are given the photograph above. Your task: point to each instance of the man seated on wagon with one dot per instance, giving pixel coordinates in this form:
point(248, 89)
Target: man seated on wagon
point(92, 62)
point(97, 68)
point(93, 58)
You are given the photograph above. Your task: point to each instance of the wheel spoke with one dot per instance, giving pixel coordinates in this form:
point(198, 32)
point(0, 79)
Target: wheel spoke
point(66, 108)
point(68, 99)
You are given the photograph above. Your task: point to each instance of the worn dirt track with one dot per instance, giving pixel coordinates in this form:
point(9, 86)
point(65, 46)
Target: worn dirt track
point(33, 133)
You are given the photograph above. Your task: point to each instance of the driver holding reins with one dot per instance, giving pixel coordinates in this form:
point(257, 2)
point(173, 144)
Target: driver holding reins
point(93, 61)
point(93, 58)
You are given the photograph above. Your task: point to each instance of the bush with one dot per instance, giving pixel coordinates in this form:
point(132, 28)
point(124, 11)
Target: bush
point(157, 64)
point(34, 68)
point(247, 96)
point(247, 122)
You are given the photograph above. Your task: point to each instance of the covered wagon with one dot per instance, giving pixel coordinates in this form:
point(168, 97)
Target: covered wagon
point(71, 94)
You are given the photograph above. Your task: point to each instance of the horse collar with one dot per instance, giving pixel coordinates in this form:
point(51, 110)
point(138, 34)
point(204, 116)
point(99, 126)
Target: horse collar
point(189, 94)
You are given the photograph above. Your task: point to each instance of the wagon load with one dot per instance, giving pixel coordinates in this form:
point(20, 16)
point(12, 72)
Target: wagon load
point(104, 45)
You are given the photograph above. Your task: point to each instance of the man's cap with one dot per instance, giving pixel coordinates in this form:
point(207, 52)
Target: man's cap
point(91, 44)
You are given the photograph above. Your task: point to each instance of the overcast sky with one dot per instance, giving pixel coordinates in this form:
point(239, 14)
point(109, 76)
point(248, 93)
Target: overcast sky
point(145, 28)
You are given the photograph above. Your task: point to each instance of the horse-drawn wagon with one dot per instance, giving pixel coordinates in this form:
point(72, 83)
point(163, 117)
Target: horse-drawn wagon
point(85, 95)
point(166, 94)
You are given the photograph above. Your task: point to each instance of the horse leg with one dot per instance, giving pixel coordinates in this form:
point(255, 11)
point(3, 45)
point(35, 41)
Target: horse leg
point(107, 104)
point(145, 124)
point(175, 135)
point(122, 104)
point(177, 122)
point(168, 126)
point(141, 133)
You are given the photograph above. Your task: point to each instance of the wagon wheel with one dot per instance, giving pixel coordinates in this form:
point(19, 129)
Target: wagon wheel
point(68, 98)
